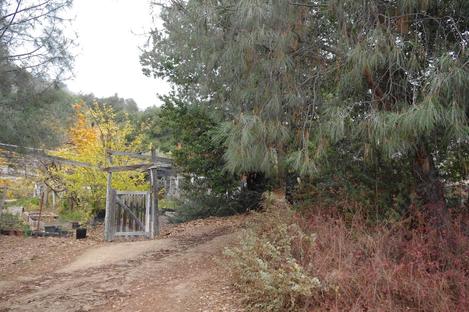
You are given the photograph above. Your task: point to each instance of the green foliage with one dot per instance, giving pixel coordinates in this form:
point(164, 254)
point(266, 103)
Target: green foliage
point(124, 109)
point(27, 231)
point(290, 81)
point(28, 203)
point(242, 60)
point(157, 129)
point(265, 265)
point(166, 203)
point(193, 146)
point(454, 162)
point(198, 204)
point(30, 117)
point(377, 188)
point(199, 201)
point(208, 189)
point(67, 214)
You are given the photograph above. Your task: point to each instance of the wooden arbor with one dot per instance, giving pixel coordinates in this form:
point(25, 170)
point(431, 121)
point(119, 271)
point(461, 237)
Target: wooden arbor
point(134, 213)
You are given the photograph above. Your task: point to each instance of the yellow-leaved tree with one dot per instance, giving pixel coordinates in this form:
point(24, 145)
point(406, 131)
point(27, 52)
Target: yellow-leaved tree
point(95, 131)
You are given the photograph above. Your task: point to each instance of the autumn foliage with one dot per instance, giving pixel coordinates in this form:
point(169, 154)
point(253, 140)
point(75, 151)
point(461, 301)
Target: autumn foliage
point(96, 130)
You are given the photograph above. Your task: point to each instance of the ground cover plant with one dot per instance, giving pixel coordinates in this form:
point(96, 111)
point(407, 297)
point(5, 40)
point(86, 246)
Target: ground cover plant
point(290, 261)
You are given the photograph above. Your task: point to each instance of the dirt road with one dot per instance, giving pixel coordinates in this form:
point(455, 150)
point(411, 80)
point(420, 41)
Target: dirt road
point(181, 271)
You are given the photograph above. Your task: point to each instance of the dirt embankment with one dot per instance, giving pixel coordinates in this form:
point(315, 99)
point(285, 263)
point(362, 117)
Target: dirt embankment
point(181, 271)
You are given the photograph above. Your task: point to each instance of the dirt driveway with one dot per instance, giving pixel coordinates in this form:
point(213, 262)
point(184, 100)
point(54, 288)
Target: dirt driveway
point(183, 270)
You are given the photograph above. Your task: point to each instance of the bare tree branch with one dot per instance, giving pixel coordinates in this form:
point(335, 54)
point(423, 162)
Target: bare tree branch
point(11, 20)
point(24, 10)
point(23, 54)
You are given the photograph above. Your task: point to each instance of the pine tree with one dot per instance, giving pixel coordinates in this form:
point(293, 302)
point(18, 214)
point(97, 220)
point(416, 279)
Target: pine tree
point(291, 79)
point(250, 62)
point(402, 83)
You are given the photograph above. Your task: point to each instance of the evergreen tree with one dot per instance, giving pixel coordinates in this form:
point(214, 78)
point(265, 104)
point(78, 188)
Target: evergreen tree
point(249, 62)
point(34, 56)
point(292, 79)
point(402, 83)
point(32, 118)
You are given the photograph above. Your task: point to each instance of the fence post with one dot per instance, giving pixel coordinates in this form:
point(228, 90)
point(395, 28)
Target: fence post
point(155, 213)
point(3, 198)
point(108, 220)
point(147, 214)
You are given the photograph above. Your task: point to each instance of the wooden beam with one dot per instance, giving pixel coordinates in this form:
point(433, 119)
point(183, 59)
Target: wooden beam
point(42, 154)
point(127, 167)
point(41, 204)
point(138, 233)
point(154, 213)
point(163, 171)
point(131, 192)
point(109, 220)
point(160, 162)
point(67, 161)
point(140, 155)
point(147, 214)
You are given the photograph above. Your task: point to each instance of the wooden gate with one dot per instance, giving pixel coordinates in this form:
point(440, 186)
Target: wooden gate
point(134, 213)
point(131, 214)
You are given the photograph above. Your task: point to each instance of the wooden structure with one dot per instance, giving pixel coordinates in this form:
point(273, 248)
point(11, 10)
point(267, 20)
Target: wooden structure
point(127, 213)
point(130, 212)
point(134, 213)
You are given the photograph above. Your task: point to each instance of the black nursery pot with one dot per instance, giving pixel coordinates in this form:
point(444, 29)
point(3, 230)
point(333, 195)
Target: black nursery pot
point(50, 228)
point(81, 233)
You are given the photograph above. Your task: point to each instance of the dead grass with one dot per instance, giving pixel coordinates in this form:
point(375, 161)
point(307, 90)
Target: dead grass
point(399, 267)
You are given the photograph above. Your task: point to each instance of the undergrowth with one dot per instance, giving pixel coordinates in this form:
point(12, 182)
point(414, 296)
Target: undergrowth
point(321, 262)
point(200, 204)
point(267, 267)
point(73, 215)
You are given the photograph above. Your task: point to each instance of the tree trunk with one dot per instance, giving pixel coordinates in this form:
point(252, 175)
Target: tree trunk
point(255, 181)
point(291, 183)
point(255, 185)
point(429, 188)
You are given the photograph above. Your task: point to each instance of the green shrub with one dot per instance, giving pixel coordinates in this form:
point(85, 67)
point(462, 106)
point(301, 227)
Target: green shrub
point(27, 231)
point(28, 203)
point(74, 215)
point(199, 206)
point(265, 265)
point(166, 203)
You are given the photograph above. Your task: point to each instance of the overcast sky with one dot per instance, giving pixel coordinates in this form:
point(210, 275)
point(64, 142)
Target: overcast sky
point(110, 33)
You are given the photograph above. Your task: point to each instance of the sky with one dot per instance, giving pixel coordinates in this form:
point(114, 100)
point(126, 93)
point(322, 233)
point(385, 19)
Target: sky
point(110, 35)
